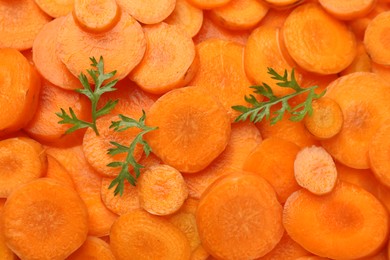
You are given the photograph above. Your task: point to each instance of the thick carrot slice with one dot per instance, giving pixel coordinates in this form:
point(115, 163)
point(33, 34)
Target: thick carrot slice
point(302, 29)
point(239, 14)
point(185, 139)
point(209, 4)
point(148, 11)
point(57, 172)
point(93, 248)
point(251, 223)
point(20, 22)
point(346, 10)
point(363, 98)
point(22, 160)
point(376, 39)
point(186, 16)
point(362, 61)
point(169, 62)
point(56, 8)
point(41, 216)
point(351, 221)
point(379, 152)
point(75, 46)
point(20, 86)
point(139, 235)
point(282, 4)
point(265, 161)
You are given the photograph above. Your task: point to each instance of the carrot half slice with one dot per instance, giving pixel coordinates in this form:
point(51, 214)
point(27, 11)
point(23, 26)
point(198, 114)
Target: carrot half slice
point(56, 8)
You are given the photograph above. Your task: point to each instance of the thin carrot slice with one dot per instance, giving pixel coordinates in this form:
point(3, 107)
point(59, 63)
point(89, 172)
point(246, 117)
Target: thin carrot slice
point(379, 152)
point(22, 160)
point(20, 22)
point(376, 39)
point(57, 172)
point(185, 138)
point(282, 4)
point(75, 46)
point(251, 223)
point(20, 86)
point(56, 8)
point(139, 235)
point(169, 62)
point(46, 60)
point(41, 216)
point(301, 31)
point(93, 248)
point(209, 4)
point(148, 11)
point(351, 222)
point(346, 10)
point(240, 14)
point(363, 98)
point(5, 252)
point(361, 62)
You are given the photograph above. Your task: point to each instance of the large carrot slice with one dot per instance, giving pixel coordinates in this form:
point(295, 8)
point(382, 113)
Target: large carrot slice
point(20, 86)
point(250, 225)
point(346, 10)
point(379, 152)
point(93, 248)
point(56, 8)
point(351, 222)
point(38, 222)
point(185, 138)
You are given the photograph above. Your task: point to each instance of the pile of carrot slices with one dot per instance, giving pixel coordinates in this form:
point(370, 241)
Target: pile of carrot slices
point(212, 188)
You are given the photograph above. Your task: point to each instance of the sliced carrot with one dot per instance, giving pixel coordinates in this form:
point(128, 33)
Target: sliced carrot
point(56, 8)
point(301, 31)
point(169, 62)
point(282, 4)
point(57, 172)
point(20, 86)
point(265, 162)
point(5, 252)
point(245, 216)
point(185, 139)
point(28, 55)
point(139, 235)
point(361, 62)
point(381, 70)
point(239, 14)
point(93, 248)
point(22, 160)
point(148, 11)
point(376, 39)
point(20, 22)
point(275, 17)
point(363, 99)
point(188, 17)
point(75, 46)
point(312, 257)
point(345, 10)
point(209, 4)
point(200, 254)
point(379, 152)
point(351, 222)
point(38, 222)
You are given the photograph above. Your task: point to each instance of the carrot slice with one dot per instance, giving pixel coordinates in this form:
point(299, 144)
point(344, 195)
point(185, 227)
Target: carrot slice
point(361, 62)
point(22, 160)
point(96, 16)
point(351, 221)
point(139, 235)
point(363, 113)
point(275, 17)
point(75, 46)
point(346, 10)
point(20, 86)
point(379, 152)
point(281, 4)
point(200, 254)
point(301, 31)
point(46, 60)
point(20, 23)
point(376, 39)
point(208, 4)
point(57, 172)
point(5, 252)
point(38, 222)
point(169, 61)
point(312, 257)
point(251, 223)
point(56, 8)
point(239, 14)
point(381, 70)
point(93, 248)
point(148, 11)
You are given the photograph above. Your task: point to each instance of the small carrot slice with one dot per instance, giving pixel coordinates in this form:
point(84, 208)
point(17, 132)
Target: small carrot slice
point(93, 248)
point(251, 223)
point(208, 4)
point(20, 86)
point(379, 152)
point(169, 61)
point(140, 235)
point(301, 31)
point(346, 10)
point(57, 172)
point(38, 222)
point(351, 221)
point(56, 8)
point(185, 139)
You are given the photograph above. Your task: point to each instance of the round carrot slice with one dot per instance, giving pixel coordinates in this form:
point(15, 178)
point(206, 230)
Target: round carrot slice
point(302, 30)
point(93, 248)
point(139, 235)
point(169, 61)
point(379, 154)
point(186, 139)
point(239, 217)
point(56, 8)
point(40, 217)
point(348, 10)
point(351, 222)
point(208, 4)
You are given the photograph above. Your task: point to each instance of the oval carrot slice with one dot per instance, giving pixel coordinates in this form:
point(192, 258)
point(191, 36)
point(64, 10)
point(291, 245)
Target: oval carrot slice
point(20, 86)
point(251, 223)
point(185, 139)
point(139, 235)
point(301, 31)
point(379, 152)
point(351, 221)
point(346, 10)
point(208, 4)
point(93, 248)
point(162, 69)
point(56, 8)
point(38, 214)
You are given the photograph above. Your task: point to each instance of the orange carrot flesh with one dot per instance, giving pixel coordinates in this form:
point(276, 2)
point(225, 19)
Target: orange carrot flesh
point(345, 10)
point(56, 8)
point(362, 61)
point(379, 152)
point(57, 172)
point(281, 4)
point(5, 252)
point(200, 254)
point(209, 4)
point(93, 248)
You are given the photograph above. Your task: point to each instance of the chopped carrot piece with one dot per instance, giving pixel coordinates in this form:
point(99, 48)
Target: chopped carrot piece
point(93, 248)
point(56, 8)
point(57, 172)
point(40, 217)
point(346, 10)
point(379, 152)
point(209, 4)
point(362, 61)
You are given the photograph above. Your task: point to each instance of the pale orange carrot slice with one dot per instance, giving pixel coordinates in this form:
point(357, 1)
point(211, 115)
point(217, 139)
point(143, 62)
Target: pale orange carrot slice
point(348, 10)
point(379, 152)
point(56, 8)
point(209, 4)
point(93, 248)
